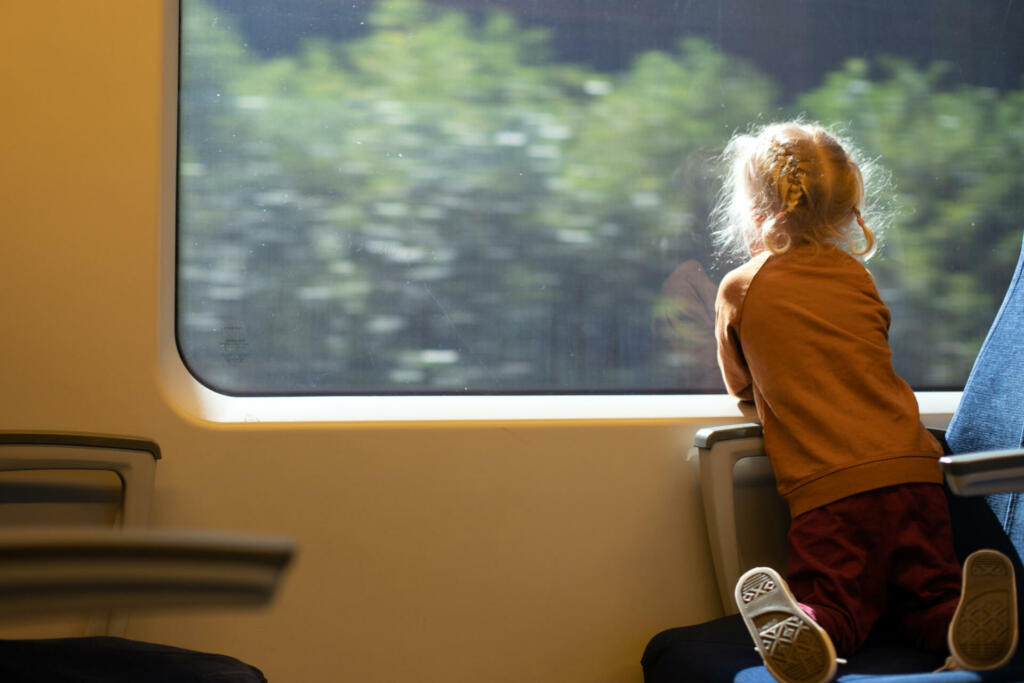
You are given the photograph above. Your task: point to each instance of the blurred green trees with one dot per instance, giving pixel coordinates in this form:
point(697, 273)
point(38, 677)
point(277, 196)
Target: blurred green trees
point(955, 159)
point(439, 206)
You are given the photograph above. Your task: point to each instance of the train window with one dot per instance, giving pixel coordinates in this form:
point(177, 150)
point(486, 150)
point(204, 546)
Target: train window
point(511, 196)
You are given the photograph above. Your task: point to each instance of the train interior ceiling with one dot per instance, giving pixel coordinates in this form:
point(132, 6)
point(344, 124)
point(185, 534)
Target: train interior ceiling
point(480, 431)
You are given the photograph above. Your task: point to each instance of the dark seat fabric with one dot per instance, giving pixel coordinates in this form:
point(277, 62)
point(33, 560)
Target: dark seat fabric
point(116, 660)
point(990, 416)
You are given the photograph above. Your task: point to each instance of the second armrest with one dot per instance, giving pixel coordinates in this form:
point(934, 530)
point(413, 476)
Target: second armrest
point(984, 473)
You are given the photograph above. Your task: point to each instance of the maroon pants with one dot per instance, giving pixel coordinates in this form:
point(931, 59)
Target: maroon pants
point(891, 548)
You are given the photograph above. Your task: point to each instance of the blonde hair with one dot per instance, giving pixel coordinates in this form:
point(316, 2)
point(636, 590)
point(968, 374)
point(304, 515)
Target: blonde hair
point(791, 183)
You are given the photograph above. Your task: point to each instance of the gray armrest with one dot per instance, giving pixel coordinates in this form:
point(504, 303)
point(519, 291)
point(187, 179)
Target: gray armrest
point(987, 472)
point(67, 570)
point(709, 436)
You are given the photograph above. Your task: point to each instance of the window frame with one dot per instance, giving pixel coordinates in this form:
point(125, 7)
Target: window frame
point(196, 401)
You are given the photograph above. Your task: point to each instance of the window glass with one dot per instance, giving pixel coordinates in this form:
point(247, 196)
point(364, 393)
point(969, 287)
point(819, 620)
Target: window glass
point(512, 196)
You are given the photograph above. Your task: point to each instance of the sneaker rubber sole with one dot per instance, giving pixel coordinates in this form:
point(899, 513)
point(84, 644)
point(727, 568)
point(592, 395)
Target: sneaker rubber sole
point(794, 648)
point(983, 633)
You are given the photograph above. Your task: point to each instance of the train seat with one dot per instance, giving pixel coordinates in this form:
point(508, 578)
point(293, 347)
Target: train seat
point(985, 483)
point(53, 565)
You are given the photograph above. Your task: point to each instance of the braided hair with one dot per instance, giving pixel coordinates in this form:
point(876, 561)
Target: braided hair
point(787, 184)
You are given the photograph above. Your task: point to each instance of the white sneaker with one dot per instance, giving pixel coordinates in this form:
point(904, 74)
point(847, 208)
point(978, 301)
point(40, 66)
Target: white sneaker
point(983, 633)
point(794, 648)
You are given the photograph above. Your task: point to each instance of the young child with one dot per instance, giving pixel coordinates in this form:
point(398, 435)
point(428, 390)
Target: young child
point(803, 334)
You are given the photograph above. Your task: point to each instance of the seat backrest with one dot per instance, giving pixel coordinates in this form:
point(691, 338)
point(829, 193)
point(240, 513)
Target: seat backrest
point(132, 460)
point(74, 569)
point(62, 488)
point(991, 412)
point(746, 519)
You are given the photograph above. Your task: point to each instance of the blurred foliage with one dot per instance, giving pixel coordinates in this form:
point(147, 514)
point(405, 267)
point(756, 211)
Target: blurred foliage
point(438, 206)
point(955, 157)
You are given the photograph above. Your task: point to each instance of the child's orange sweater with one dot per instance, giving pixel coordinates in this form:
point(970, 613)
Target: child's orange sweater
point(805, 336)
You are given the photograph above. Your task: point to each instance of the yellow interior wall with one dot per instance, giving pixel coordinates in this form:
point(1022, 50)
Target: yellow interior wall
point(542, 552)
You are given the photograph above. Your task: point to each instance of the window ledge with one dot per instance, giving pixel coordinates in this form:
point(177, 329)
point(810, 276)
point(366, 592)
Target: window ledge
point(199, 402)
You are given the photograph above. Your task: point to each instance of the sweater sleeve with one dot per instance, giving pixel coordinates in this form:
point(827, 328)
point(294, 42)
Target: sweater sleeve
point(734, 368)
